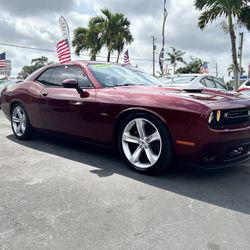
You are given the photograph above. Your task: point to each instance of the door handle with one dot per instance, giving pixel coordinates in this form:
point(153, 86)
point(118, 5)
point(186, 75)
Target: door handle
point(44, 94)
point(76, 103)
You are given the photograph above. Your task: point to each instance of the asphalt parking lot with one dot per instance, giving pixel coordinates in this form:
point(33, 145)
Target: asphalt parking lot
point(59, 195)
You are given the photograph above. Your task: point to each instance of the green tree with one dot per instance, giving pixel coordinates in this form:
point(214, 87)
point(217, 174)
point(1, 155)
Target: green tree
point(231, 10)
point(174, 57)
point(109, 29)
point(87, 39)
point(36, 63)
point(191, 67)
point(230, 70)
point(121, 34)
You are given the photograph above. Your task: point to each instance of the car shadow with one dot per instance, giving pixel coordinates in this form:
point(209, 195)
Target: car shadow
point(227, 188)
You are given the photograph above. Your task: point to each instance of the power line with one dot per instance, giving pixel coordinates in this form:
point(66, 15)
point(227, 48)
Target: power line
point(54, 51)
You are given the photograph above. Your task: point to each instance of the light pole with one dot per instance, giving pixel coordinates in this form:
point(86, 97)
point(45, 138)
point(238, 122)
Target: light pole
point(154, 48)
point(161, 56)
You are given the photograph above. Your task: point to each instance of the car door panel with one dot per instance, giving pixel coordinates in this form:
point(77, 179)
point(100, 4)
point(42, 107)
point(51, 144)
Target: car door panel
point(63, 110)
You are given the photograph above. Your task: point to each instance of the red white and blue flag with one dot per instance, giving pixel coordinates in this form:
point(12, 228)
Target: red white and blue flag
point(63, 51)
point(204, 68)
point(3, 60)
point(126, 58)
point(63, 47)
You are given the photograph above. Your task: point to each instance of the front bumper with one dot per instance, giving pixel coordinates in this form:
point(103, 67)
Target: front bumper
point(217, 149)
point(228, 164)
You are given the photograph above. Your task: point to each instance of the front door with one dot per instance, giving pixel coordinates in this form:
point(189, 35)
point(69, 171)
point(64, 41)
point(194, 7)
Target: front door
point(63, 110)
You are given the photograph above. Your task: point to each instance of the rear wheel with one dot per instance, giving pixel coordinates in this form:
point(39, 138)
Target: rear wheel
point(145, 144)
point(20, 123)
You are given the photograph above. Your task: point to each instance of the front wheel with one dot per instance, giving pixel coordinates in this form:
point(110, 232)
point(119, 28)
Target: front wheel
point(145, 144)
point(20, 123)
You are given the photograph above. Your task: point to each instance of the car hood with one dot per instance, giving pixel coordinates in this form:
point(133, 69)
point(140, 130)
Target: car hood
point(205, 96)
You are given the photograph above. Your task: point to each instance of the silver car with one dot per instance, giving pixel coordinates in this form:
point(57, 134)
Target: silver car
point(194, 81)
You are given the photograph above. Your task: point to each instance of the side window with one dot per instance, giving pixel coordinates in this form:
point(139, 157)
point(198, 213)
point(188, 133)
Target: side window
point(54, 76)
point(209, 82)
point(248, 83)
point(58, 76)
point(78, 74)
point(44, 78)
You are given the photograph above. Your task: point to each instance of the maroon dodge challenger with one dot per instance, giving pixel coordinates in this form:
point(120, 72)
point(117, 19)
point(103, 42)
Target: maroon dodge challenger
point(126, 108)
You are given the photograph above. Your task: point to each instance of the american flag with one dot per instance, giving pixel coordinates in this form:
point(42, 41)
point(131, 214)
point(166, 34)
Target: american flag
point(2, 60)
point(63, 51)
point(204, 68)
point(126, 58)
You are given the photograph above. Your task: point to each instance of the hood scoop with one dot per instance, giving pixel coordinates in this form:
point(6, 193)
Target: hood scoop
point(193, 90)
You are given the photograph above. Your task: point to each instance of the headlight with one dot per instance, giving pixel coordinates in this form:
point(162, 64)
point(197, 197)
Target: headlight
point(218, 115)
point(211, 117)
point(215, 116)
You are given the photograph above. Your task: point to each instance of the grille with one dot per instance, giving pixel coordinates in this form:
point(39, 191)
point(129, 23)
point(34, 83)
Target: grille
point(236, 117)
point(231, 118)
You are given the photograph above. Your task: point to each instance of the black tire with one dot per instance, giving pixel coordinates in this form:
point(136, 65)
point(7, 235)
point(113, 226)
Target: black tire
point(27, 131)
point(159, 151)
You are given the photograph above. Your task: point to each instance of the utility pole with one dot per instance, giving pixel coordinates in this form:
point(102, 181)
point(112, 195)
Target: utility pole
point(240, 53)
point(216, 67)
point(161, 55)
point(154, 48)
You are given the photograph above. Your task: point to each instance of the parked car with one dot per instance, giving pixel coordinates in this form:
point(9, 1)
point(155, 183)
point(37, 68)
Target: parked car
point(245, 87)
point(150, 125)
point(194, 81)
point(5, 85)
point(245, 90)
point(245, 84)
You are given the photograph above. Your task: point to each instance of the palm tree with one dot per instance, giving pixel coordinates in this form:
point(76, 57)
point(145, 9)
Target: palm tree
point(87, 39)
point(114, 31)
point(174, 57)
point(230, 9)
point(110, 30)
point(230, 70)
point(121, 33)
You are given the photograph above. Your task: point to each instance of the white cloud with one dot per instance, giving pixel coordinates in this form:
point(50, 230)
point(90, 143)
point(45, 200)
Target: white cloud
point(35, 24)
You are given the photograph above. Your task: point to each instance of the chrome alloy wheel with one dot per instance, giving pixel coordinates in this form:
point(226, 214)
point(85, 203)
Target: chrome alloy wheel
point(19, 121)
point(141, 143)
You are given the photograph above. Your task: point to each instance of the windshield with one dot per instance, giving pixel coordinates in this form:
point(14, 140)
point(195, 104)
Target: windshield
point(110, 75)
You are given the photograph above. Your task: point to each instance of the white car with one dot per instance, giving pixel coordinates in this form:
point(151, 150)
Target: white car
point(245, 91)
point(244, 85)
point(194, 81)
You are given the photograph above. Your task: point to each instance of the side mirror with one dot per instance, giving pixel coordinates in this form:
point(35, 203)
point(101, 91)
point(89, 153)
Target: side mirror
point(70, 83)
point(73, 84)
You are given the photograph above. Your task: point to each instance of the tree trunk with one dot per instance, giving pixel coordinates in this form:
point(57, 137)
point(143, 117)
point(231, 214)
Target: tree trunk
point(174, 67)
point(118, 56)
point(108, 57)
point(234, 51)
